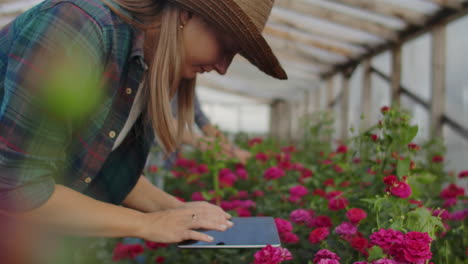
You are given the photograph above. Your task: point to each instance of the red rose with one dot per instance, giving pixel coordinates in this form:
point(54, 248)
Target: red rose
point(318, 235)
point(155, 245)
point(289, 238)
point(319, 192)
point(401, 189)
point(329, 182)
point(122, 251)
point(452, 191)
point(416, 251)
point(261, 157)
point(359, 243)
point(384, 109)
point(336, 204)
point(390, 180)
point(160, 259)
point(356, 215)
point(342, 149)
point(437, 159)
point(463, 174)
point(321, 221)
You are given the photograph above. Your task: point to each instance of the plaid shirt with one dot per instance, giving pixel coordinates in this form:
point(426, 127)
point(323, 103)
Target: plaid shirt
point(39, 150)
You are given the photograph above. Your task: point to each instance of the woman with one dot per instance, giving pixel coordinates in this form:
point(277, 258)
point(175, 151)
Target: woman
point(85, 84)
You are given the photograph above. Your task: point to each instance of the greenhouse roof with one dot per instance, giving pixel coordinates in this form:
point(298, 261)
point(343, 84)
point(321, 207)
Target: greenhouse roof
point(315, 39)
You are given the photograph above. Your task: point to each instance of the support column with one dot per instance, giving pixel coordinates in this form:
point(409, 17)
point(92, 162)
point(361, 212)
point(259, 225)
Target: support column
point(367, 94)
point(280, 120)
point(345, 106)
point(330, 95)
point(396, 75)
point(439, 51)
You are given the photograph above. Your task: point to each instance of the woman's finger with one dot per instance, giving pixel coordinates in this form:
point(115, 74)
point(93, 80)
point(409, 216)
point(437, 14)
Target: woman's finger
point(194, 235)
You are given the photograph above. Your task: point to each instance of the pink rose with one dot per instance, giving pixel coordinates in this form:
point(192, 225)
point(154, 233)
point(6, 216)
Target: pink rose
point(242, 173)
point(442, 213)
point(298, 190)
point(459, 215)
point(289, 238)
point(356, 215)
point(262, 157)
point(337, 204)
point(272, 255)
point(401, 189)
point(384, 261)
point(325, 254)
point(273, 173)
point(318, 234)
point(202, 169)
point(385, 238)
point(243, 212)
point(197, 196)
point(294, 199)
point(418, 236)
point(416, 251)
point(450, 202)
point(328, 261)
point(300, 216)
point(283, 226)
point(346, 229)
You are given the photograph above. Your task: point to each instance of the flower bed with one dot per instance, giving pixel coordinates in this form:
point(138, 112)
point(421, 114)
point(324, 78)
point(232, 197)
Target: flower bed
point(379, 198)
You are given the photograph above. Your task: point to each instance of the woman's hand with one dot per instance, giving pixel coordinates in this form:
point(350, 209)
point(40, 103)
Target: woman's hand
point(176, 225)
point(242, 155)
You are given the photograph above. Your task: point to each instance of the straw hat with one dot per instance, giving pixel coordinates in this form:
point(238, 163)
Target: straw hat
point(245, 19)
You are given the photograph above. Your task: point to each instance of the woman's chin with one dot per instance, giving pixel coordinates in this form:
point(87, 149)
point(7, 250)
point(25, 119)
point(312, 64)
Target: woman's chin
point(189, 75)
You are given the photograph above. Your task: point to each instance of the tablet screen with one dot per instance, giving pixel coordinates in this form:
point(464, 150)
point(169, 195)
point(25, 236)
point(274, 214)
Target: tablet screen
point(247, 232)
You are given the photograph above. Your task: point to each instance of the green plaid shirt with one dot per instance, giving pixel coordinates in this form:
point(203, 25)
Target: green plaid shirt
point(39, 149)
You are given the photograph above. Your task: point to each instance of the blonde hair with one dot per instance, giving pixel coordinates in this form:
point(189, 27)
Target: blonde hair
point(165, 55)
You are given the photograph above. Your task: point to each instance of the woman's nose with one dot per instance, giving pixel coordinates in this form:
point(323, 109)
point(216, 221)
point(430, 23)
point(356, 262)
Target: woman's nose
point(222, 66)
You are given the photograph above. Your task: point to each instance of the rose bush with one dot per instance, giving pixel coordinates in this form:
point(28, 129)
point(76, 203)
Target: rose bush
point(377, 198)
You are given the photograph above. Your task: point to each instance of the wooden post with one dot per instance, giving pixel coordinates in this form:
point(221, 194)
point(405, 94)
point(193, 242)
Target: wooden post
point(345, 104)
point(439, 50)
point(366, 94)
point(330, 95)
point(317, 99)
point(396, 75)
point(280, 120)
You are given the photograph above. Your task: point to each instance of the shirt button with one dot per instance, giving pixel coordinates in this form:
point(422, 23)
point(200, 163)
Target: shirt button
point(87, 180)
point(128, 91)
point(112, 134)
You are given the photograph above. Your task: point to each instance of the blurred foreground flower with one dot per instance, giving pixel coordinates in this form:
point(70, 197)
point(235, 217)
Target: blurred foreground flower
point(272, 255)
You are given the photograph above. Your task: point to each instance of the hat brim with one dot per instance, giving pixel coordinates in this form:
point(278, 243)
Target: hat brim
point(229, 17)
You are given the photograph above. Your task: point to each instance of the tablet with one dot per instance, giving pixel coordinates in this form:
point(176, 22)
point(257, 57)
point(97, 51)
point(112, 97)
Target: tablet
point(247, 232)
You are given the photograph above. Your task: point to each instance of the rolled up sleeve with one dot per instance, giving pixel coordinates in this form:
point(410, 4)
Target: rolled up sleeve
point(35, 124)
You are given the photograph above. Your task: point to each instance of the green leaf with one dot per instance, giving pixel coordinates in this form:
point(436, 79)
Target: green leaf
point(426, 178)
point(403, 167)
point(375, 253)
point(409, 134)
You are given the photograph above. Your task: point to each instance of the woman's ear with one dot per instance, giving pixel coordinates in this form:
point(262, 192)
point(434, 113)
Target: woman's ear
point(185, 16)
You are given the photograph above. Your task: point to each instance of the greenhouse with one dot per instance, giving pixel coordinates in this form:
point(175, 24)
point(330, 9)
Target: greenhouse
point(357, 156)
